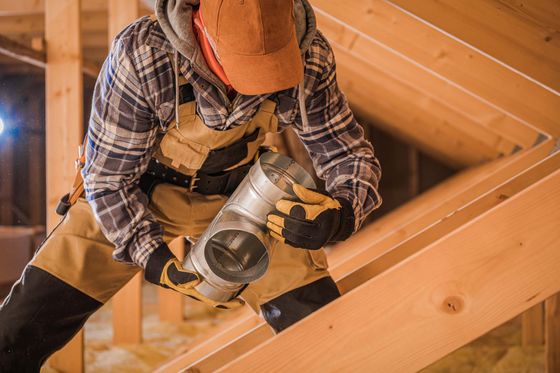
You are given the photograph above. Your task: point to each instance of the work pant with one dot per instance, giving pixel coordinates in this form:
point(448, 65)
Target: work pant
point(73, 274)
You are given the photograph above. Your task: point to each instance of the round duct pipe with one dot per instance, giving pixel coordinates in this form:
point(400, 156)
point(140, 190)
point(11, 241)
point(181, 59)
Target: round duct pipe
point(235, 248)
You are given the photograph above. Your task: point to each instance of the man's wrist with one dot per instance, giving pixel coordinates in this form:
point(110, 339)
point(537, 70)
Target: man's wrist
point(156, 262)
point(347, 221)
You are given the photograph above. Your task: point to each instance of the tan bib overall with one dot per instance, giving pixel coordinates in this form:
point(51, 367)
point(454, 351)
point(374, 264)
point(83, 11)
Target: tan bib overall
point(78, 253)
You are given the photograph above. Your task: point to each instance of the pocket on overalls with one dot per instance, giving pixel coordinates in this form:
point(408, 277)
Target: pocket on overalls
point(183, 152)
point(317, 259)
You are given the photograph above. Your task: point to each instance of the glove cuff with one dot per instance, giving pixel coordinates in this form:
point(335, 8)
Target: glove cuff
point(347, 221)
point(156, 262)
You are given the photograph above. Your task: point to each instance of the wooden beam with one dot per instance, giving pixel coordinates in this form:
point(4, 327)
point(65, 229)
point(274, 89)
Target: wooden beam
point(22, 53)
point(552, 338)
point(373, 264)
point(489, 25)
point(64, 119)
point(127, 312)
point(37, 58)
point(26, 7)
point(532, 326)
point(401, 109)
point(379, 59)
point(438, 206)
point(545, 12)
point(450, 293)
point(444, 56)
point(121, 14)
point(34, 25)
point(127, 303)
point(241, 326)
point(369, 243)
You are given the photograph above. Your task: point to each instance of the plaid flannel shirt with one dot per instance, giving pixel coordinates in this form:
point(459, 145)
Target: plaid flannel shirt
point(133, 104)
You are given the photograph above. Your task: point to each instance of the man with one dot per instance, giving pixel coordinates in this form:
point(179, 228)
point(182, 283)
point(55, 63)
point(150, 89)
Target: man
point(179, 111)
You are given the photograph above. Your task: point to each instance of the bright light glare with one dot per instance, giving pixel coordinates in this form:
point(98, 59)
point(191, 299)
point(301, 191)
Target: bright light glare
point(1, 126)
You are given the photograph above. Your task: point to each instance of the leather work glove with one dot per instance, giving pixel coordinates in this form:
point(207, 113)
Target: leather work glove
point(313, 222)
point(165, 270)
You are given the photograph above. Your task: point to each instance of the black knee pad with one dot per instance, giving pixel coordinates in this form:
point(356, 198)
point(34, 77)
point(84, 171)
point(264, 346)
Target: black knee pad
point(39, 316)
point(296, 304)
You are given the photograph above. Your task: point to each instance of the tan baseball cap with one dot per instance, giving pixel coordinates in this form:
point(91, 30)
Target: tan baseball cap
point(256, 43)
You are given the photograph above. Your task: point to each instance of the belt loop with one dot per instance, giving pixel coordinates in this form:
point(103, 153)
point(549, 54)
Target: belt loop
point(192, 183)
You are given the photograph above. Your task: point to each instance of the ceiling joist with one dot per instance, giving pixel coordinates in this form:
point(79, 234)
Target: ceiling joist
point(36, 58)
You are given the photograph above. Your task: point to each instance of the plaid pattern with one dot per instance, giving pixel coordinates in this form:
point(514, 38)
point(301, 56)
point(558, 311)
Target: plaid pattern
point(133, 104)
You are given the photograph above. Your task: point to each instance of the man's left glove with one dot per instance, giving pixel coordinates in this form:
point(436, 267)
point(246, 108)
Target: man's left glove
point(165, 270)
point(312, 223)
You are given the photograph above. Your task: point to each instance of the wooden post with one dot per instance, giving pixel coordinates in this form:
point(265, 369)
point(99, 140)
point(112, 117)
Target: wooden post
point(552, 338)
point(121, 13)
point(127, 312)
point(127, 303)
point(64, 120)
point(170, 303)
point(533, 326)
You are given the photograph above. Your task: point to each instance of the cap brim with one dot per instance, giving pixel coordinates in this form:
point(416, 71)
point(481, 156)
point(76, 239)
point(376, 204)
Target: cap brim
point(265, 73)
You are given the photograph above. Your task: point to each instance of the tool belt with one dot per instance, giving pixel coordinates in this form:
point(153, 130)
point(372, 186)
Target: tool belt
point(204, 183)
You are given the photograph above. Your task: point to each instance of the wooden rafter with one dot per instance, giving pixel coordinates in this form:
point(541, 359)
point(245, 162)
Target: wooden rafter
point(418, 104)
point(25, 54)
point(381, 23)
point(349, 259)
point(435, 301)
point(489, 26)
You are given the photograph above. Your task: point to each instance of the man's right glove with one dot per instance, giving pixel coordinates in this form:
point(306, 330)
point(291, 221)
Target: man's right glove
point(165, 270)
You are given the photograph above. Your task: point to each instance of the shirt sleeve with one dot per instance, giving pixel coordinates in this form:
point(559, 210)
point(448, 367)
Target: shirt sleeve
point(122, 132)
point(335, 141)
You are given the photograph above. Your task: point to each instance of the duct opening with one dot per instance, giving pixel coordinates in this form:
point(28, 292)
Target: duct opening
point(236, 256)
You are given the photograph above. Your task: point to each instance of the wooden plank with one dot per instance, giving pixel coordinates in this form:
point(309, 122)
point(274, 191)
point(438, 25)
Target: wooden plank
point(532, 327)
point(387, 256)
point(488, 25)
point(350, 254)
point(36, 7)
point(445, 56)
point(552, 346)
point(409, 73)
point(26, 7)
point(21, 52)
point(34, 25)
point(545, 12)
point(121, 14)
point(127, 303)
point(401, 109)
point(233, 349)
point(434, 302)
point(375, 240)
point(170, 303)
point(64, 130)
point(127, 312)
point(246, 322)
point(33, 57)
